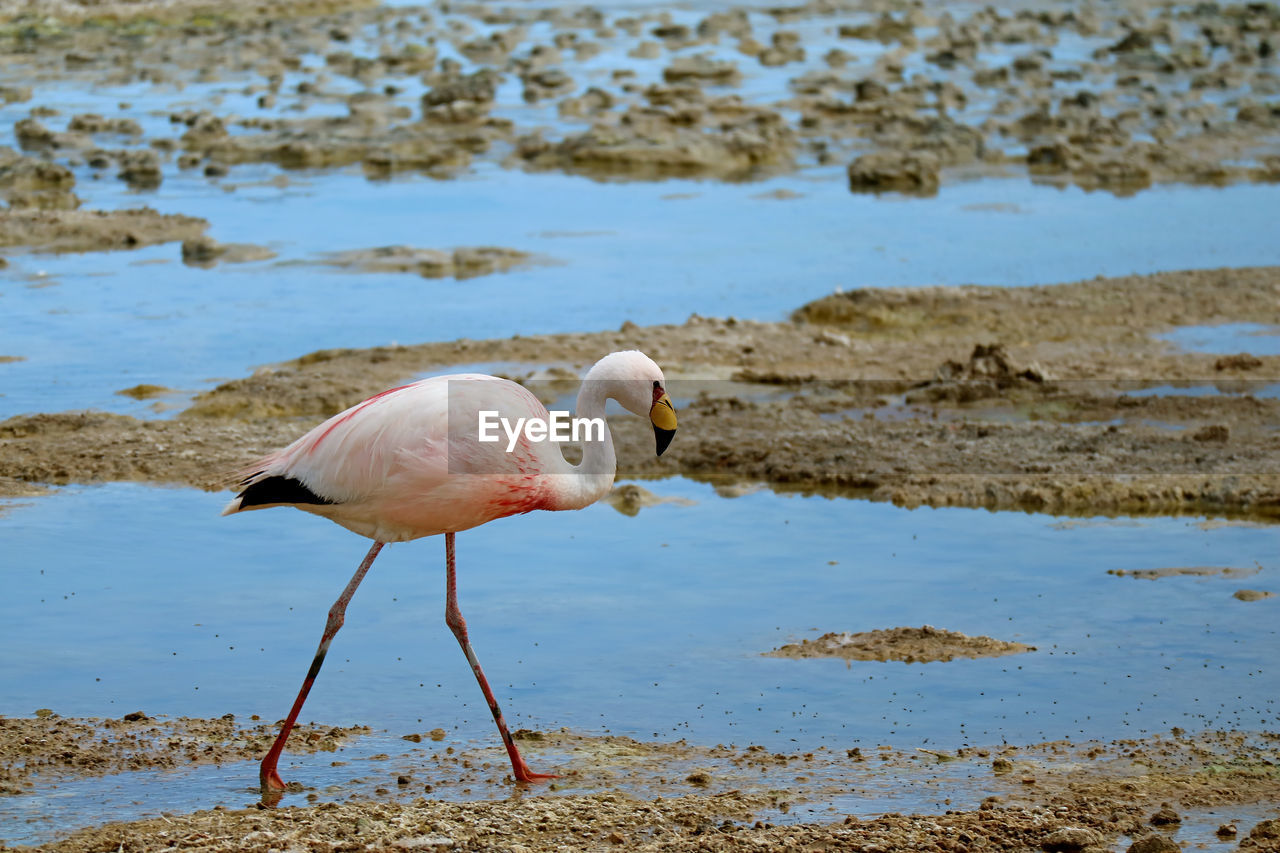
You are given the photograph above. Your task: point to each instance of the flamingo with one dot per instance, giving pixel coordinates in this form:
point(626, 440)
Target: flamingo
point(409, 462)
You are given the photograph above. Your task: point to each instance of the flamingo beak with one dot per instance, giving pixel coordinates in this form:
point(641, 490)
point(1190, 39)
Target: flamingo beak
point(663, 417)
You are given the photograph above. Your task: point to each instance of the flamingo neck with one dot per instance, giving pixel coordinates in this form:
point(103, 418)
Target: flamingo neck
point(585, 483)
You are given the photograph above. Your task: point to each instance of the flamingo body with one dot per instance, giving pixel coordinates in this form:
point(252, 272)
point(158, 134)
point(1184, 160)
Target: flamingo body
point(409, 462)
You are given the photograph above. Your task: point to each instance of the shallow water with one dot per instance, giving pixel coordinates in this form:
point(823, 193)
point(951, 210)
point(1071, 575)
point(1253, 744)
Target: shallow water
point(649, 626)
point(1227, 338)
point(90, 325)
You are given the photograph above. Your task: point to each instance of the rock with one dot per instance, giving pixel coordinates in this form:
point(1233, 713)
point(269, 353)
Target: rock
point(205, 252)
point(1154, 844)
point(895, 171)
point(785, 48)
point(1071, 839)
point(32, 134)
point(94, 123)
point(478, 88)
point(589, 103)
point(1212, 432)
point(26, 182)
point(140, 170)
point(1240, 361)
point(1252, 594)
point(1165, 817)
point(144, 391)
point(885, 30)
point(546, 83)
point(1050, 158)
point(1264, 836)
point(702, 68)
point(466, 262)
point(14, 94)
point(832, 338)
point(733, 23)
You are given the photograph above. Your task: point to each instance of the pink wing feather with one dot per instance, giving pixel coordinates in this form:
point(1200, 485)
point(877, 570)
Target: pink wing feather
point(408, 463)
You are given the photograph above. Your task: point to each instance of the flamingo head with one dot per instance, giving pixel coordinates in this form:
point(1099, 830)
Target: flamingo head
point(636, 382)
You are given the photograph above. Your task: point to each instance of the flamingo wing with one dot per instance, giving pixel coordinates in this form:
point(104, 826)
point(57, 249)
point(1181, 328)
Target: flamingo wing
point(407, 462)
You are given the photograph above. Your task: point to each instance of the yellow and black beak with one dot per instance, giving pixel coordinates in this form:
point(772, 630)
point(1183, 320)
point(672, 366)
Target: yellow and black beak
point(663, 416)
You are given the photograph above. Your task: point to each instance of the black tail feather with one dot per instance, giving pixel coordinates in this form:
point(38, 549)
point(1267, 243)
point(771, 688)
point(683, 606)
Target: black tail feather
point(279, 490)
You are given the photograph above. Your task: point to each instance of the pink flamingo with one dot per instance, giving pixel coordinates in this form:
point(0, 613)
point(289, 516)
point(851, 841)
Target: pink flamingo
point(409, 463)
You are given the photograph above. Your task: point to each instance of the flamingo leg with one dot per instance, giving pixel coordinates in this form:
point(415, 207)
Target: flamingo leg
point(453, 618)
point(269, 776)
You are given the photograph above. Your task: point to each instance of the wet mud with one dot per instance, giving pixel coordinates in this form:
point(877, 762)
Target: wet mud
point(909, 645)
point(94, 230)
point(1051, 796)
point(902, 396)
point(1117, 98)
point(37, 752)
point(1189, 571)
point(466, 262)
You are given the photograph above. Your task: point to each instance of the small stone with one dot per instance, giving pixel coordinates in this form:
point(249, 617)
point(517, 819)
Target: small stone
point(1213, 432)
point(1071, 839)
point(1241, 361)
point(1154, 844)
point(1165, 817)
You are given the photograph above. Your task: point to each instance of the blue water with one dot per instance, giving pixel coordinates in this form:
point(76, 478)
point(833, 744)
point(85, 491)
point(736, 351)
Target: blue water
point(1227, 338)
point(652, 626)
point(649, 626)
point(99, 323)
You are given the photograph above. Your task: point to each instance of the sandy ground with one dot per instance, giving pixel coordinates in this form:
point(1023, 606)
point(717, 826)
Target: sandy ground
point(969, 396)
point(1054, 796)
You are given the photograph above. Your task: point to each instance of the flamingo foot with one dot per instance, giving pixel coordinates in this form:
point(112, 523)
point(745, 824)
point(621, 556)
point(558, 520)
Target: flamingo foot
point(524, 774)
point(271, 780)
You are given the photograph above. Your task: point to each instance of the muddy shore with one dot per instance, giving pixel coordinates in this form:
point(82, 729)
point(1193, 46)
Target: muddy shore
point(1052, 796)
point(1022, 398)
point(1116, 98)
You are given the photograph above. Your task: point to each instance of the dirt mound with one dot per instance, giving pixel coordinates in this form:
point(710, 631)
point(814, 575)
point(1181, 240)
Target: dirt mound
point(910, 645)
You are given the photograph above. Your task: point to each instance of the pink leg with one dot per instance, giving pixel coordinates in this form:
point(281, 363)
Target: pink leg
point(269, 776)
point(453, 618)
